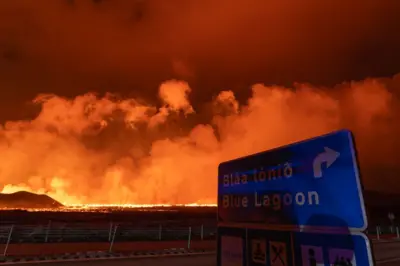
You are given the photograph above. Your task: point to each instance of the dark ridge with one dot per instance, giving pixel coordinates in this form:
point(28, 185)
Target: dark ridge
point(189, 216)
point(23, 199)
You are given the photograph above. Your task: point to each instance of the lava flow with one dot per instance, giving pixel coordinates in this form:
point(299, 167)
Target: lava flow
point(111, 207)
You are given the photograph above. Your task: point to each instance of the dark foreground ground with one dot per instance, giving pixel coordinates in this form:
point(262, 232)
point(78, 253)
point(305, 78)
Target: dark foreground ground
point(183, 216)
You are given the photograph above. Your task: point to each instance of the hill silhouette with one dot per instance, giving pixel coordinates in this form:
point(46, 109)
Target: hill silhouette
point(23, 199)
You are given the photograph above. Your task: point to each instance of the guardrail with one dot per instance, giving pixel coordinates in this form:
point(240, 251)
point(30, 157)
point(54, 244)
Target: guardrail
point(78, 233)
point(84, 232)
point(384, 232)
point(111, 233)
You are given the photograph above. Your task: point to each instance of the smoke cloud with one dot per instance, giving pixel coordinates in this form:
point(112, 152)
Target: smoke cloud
point(51, 153)
point(138, 101)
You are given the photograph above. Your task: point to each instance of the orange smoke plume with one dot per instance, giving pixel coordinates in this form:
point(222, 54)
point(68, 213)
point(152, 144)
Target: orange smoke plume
point(68, 152)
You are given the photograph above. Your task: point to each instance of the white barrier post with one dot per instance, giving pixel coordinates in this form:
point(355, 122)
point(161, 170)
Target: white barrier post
point(397, 232)
point(202, 232)
point(47, 231)
point(113, 239)
point(159, 232)
point(189, 237)
point(8, 240)
point(110, 232)
point(377, 232)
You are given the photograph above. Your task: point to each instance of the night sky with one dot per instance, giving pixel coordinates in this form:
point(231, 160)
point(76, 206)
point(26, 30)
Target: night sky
point(71, 47)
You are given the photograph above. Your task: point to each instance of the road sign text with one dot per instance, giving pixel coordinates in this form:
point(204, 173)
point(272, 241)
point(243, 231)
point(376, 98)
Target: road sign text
point(259, 175)
point(274, 201)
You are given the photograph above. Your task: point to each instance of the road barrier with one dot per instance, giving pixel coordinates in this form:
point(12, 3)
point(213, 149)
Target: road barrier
point(101, 255)
point(29, 249)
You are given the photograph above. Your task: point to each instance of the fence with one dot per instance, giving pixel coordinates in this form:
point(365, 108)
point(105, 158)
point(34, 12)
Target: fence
point(379, 232)
point(70, 233)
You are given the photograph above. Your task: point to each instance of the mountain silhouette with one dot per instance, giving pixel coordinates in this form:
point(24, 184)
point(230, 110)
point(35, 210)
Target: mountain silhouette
point(23, 199)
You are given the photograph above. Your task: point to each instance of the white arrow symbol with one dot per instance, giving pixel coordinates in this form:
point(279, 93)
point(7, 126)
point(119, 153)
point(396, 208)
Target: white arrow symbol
point(329, 156)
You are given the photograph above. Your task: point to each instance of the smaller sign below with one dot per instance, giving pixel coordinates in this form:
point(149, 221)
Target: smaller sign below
point(318, 249)
point(278, 253)
point(259, 251)
point(288, 248)
point(342, 257)
point(312, 256)
point(231, 251)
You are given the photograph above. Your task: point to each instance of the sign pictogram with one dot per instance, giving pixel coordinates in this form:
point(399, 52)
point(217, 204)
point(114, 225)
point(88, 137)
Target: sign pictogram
point(278, 253)
point(342, 257)
point(259, 251)
point(312, 256)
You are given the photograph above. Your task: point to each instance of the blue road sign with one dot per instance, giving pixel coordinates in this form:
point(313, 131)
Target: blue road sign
point(285, 248)
point(305, 183)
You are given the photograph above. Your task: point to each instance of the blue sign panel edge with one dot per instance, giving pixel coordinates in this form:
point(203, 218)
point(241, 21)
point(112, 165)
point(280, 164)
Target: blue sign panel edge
point(358, 177)
point(368, 244)
point(350, 134)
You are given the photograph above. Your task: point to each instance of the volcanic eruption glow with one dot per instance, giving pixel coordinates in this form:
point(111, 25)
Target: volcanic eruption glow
point(89, 150)
point(177, 92)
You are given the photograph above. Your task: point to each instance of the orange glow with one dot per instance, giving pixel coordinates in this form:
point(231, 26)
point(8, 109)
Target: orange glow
point(90, 150)
point(109, 207)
